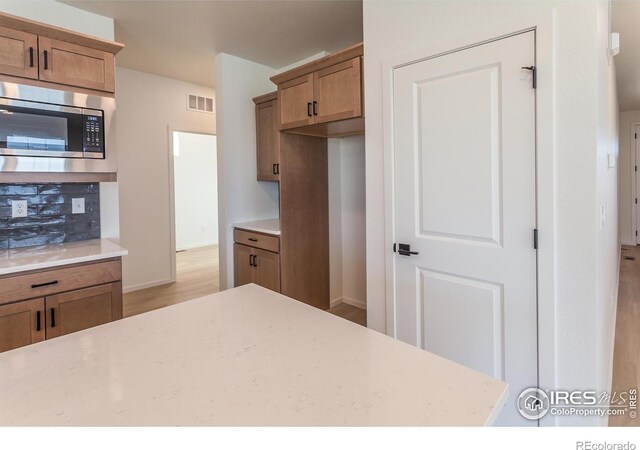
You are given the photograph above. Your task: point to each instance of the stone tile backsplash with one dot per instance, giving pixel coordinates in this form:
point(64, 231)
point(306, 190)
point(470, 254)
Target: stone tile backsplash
point(49, 219)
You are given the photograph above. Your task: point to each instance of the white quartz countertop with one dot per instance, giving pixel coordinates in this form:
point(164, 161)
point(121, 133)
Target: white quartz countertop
point(268, 226)
point(246, 356)
point(46, 256)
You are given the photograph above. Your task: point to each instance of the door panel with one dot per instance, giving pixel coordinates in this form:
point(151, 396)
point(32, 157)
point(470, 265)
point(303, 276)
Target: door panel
point(267, 266)
point(460, 191)
point(243, 272)
point(16, 49)
point(75, 65)
point(82, 309)
point(338, 92)
point(464, 143)
point(19, 324)
point(295, 98)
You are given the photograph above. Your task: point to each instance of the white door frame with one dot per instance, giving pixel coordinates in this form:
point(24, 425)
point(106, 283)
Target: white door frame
point(542, 24)
point(635, 128)
point(172, 196)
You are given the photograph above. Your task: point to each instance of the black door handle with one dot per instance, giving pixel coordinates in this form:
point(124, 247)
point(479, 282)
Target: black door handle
point(30, 56)
point(46, 60)
point(309, 109)
point(315, 108)
point(53, 317)
point(404, 250)
point(255, 260)
point(38, 321)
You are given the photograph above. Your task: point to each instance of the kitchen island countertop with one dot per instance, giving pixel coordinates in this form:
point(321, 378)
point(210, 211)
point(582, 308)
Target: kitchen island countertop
point(246, 356)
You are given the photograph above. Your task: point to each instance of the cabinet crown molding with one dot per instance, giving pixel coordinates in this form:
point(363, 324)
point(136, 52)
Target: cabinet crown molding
point(50, 31)
point(326, 61)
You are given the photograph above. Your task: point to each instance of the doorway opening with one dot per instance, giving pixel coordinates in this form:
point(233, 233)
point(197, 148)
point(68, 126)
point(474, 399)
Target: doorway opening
point(195, 211)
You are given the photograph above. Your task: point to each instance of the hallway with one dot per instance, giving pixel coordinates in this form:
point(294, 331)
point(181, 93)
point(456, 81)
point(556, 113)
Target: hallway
point(626, 357)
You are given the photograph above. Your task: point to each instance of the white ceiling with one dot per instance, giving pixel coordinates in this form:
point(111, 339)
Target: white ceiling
point(626, 21)
point(178, 39)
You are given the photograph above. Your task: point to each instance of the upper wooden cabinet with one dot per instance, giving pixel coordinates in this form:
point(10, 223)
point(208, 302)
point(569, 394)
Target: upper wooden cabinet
point(267, 137)
point(48, 56)
point(18, 53)
point(324, 97)
point(76, 65)
point(296, 102)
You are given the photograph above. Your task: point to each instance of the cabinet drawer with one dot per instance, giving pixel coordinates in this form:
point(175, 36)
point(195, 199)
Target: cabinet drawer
point(48, 282)
point(257, 240)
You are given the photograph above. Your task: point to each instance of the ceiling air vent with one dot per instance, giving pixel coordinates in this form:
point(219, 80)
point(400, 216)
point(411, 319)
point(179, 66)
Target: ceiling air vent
point(199, 103)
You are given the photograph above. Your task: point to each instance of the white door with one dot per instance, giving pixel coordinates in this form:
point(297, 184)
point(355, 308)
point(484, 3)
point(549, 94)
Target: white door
point(464, 174)
point(636, 141)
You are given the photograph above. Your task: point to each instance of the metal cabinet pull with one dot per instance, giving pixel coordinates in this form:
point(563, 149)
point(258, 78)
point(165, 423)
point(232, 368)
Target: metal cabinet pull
point(53, 317)
point(49, 283)
point(315, 108)
point(278, 169)
point(46, 60)
point(253, 239)
point(255, 260)
point(30, 56)
point(274, 170)
point(38, 327)
point(251, 260)
point(309, 109)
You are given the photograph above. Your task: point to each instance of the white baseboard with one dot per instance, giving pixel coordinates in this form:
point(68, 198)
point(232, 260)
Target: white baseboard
point(139, 287)
point(353, 302)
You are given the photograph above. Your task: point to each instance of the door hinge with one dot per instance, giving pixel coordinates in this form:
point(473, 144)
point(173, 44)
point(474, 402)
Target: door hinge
point(534, 75)
point(535, 239)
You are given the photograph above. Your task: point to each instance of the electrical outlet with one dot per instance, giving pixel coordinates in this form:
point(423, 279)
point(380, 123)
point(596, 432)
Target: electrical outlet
point(77, 206)
point(19, 208)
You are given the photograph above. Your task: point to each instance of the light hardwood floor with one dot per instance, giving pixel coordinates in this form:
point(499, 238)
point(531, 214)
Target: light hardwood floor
point(196, 276)
point(626, 357)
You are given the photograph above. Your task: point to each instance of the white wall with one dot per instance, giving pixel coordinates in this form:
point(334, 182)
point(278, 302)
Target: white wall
point(572, 151)
point(147, 106)
point(347, 221)
point(626, 176)
point(65, 16)
point(195, 165)
point(608, 235)
point(240, 197)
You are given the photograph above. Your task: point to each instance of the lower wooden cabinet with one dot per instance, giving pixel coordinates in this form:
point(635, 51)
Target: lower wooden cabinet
point(55, 313)
point(254, 265)
point(21, 324)
point(82, 309)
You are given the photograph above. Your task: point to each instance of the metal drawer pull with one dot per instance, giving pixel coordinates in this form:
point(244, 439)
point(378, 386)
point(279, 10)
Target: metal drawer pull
point(38, 321)
point(46, 60)
point(50, 283)
point(253, 239)
point(309, 109)
point(255, 260)
point(53, 317)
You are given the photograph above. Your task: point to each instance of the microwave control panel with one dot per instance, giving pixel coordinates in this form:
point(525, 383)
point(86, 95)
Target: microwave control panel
point(93, 133)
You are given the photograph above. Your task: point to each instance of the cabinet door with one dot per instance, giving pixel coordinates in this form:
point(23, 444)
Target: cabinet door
point(243, 270)
point(267, 267)
point(85, 308)
point(21, 324)
point(296, 99)
point(18, 53)
point(338, 92)
point(75, 65)
point(267, 135)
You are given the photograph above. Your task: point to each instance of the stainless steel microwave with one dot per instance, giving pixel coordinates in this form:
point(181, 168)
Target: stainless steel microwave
point(51, 130)
point(30, 128)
